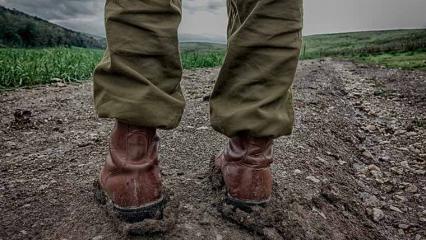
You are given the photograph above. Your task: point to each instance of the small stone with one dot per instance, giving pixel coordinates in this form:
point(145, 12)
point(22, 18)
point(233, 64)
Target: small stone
point(373, 167)
point(403, 226)
point(10, 144)
point(43, 187)
point(370, 128)
point(401, 198)
point(378, 214)
point(418, 237)
point(359, 167)
point(367, 154)
point(219, 237)
point(297, 171)
point(393, 208)
point(411, 188)
point(404, 164)
point(341, 162)
point(313, 179)
point(271, 233)
point(399, 132)
point(397, 170)
point(322, 160)
point(8, 154)
point(206, 219)
point(24, 232)
point(369, 199)
point(203, 128)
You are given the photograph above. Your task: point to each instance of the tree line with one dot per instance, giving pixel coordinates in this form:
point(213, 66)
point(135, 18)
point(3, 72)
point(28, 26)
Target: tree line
point(18, 29)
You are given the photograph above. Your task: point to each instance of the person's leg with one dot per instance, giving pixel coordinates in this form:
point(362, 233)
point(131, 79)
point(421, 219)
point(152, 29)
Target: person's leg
point(252, 99)
point(252, 94)
point(138, 83)
point(138, 79)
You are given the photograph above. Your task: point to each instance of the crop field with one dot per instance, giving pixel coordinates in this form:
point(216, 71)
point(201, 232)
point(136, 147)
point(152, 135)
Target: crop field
point(404, 49)
point(27, 67)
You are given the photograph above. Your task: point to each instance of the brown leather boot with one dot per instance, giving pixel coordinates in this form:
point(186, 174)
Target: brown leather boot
point(245, 167)
point(131, 176)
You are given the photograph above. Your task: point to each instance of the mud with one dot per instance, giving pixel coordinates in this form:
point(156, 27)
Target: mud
point(354, 167)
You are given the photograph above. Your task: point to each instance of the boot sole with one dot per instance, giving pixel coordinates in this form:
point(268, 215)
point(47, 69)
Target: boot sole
point(151, 210)
point(246, 203)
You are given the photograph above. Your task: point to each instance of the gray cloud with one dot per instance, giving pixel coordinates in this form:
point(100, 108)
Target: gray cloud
point(213, 6)
point(208, 17)
point(55, 9)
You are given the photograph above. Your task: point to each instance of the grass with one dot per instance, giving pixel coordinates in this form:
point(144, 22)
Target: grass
point(402, 60)
point(201, 55)
point(26, 67)
point(405, 49)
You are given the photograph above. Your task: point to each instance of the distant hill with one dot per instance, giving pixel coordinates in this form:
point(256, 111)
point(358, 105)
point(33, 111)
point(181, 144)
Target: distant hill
point(202, 46)
point(18, 29)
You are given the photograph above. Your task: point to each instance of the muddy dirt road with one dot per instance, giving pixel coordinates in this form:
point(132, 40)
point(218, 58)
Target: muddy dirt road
point(353, 169)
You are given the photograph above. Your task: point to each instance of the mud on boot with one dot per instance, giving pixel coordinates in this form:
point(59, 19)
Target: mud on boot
point(157, 218)
point(244, 169)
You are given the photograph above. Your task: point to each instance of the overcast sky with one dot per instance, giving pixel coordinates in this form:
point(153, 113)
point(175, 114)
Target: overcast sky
point(206, 19)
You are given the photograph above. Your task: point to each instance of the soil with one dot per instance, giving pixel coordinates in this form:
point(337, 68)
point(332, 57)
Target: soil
point(354, 167)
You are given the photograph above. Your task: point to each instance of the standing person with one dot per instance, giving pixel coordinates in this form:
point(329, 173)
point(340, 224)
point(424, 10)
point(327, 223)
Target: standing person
point(138, 84)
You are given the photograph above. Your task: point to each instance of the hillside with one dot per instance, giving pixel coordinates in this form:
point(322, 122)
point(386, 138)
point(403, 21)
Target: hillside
point(18, 29)
point(392, 48)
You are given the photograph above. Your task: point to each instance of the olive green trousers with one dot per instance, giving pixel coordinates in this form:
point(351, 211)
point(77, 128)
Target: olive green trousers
point(138, 79)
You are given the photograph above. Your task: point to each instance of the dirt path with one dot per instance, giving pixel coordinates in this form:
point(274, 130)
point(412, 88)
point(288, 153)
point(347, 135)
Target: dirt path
point(353, 169)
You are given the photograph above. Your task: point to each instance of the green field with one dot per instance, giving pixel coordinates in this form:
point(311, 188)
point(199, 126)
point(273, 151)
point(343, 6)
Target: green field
point(27, 67)
point(405, 49)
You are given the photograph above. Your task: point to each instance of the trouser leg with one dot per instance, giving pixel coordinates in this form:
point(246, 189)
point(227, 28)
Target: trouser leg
point(253, 95)
point(138, 79)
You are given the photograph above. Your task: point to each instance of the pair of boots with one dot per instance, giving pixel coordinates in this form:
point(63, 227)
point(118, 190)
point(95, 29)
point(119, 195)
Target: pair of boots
point(131, 176)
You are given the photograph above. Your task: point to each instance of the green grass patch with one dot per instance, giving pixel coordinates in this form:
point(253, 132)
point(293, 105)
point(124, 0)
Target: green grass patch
point(401, 60)
point(26, 67)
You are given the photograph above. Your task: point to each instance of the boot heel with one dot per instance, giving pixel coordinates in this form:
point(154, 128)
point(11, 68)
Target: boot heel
point(151, 211)
point(244, 204)
point(131, 215)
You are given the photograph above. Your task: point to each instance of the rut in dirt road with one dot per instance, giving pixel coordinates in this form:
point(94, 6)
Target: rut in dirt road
point(353, 169)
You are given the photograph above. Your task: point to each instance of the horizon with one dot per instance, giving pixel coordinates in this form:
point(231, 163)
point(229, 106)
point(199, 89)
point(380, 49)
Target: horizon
point(87, 16)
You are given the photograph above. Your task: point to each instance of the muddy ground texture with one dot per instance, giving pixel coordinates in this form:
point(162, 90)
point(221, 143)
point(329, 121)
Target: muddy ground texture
point(353, 169)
